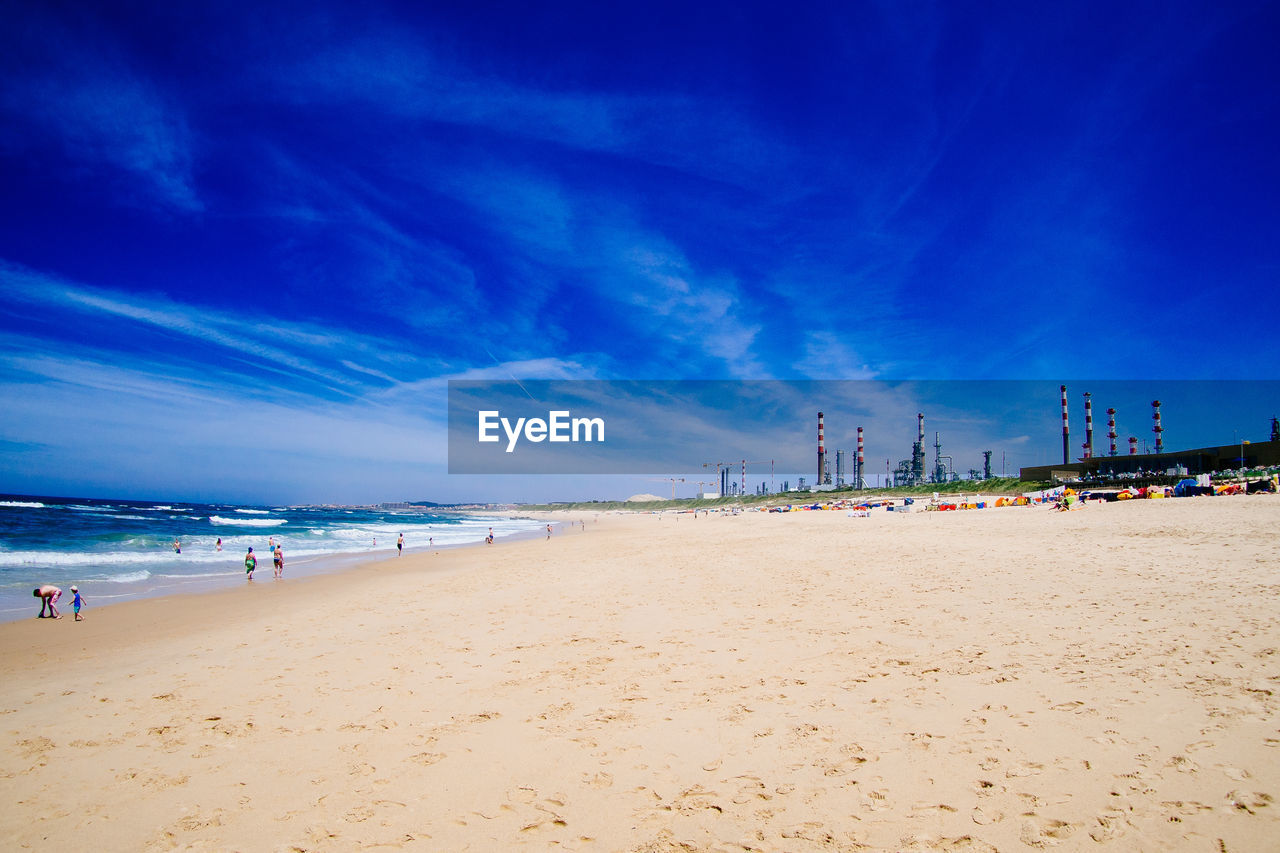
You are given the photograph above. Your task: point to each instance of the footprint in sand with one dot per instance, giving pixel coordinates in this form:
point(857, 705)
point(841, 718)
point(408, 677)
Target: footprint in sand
point(599, 780)
point(1248, 801)
point(1023, 768)
point(1037, 831)
point(750, 788)
point(1110, 826)
point(876, 800)
point(982, 817)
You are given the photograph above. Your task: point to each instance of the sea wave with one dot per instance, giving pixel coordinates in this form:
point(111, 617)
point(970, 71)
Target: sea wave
point(255, 511)
point(27, 504)
point(248, 522)
point(151, 556)
point(186, 575)
point(128, 577)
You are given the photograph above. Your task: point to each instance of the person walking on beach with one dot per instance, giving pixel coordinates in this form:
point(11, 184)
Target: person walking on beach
point(278, 559)
point(400, 545)
point(48, 595)
point(250, 563)
point(77, 603)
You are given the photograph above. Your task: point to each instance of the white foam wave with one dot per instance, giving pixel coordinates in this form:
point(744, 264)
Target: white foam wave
point(129, 577)
point(151, 556)
point(255, 511)
point(248, 522)
point(237, 572)
point(26, 504)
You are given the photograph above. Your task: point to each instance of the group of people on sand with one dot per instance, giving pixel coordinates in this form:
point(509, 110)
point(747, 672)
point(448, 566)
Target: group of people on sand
point(49, 595)
point(277, 558)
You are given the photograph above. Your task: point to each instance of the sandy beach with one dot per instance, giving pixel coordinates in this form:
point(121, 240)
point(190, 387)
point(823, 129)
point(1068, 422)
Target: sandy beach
point(1004, 679)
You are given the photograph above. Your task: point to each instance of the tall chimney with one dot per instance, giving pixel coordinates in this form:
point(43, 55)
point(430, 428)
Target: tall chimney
point(1133, 445)
point(857, 475)
point(1111, 429)
point(822, 451)
point(1066, 444)
point(1088, 426)
point(1157, 429)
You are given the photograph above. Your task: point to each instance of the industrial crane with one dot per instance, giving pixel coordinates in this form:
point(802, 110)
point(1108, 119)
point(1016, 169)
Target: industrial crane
point(745, 463)
point(673, 481)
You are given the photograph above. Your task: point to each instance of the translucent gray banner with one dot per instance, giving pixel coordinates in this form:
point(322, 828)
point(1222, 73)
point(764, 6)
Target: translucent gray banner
point(684, 427)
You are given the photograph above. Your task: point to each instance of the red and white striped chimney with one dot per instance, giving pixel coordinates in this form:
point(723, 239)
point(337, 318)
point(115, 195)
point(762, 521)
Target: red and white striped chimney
point(1066, 444)
point(858, 474)
point(1157, 429)
point(1133, 445)
point(1111, 429)
point(1088, 425)
point(822, 450)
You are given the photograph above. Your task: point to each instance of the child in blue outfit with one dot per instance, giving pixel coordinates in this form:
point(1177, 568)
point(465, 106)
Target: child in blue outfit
point(77, 603)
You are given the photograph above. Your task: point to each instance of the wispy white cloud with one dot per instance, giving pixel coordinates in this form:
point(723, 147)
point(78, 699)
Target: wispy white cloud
point(828, 356)
point(323, 355)
point(394, 73)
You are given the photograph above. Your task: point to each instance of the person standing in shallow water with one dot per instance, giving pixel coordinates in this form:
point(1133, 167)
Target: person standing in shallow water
point(250, 563)
point(400, 545)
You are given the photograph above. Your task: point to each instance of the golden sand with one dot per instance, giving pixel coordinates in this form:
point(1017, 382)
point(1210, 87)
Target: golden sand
point(1005, 679)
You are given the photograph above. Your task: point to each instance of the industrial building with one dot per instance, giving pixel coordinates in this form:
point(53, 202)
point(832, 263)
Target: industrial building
point(1200, 460)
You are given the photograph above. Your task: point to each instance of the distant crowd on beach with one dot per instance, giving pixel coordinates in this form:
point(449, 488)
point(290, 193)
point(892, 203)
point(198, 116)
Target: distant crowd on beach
point(49, 594)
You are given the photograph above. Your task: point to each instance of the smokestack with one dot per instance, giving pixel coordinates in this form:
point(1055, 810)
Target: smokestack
point(822, 451)
point(1088, 425)
point(744, 476)
point(857, 475)
point(1066, 444)
point(1133, 445)
point(1157, 429)
point(1111, 429)
point(920, 422)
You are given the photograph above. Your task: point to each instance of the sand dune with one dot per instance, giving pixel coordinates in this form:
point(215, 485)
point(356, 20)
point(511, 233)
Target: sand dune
point(1004, 679)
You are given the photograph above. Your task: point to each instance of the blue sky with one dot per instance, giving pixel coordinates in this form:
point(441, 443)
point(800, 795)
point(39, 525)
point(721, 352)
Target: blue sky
point(242, 252)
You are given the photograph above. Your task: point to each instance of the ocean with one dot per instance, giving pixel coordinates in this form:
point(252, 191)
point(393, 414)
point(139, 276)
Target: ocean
point(115, 550)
